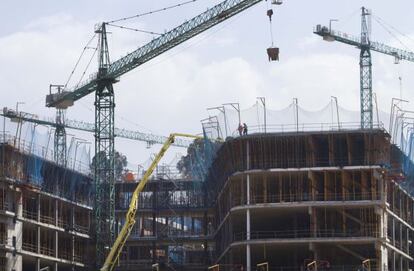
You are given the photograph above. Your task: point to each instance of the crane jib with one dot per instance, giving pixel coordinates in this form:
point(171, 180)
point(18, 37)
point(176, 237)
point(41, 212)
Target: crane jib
point(165, 42)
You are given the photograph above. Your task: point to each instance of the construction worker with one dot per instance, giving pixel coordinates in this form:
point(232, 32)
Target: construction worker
point(240, 129)
point(244, 129)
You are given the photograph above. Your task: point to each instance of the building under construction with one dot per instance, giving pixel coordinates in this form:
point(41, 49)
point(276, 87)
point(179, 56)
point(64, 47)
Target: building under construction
point(45, 213)
point(298, 200)
point(285, 201)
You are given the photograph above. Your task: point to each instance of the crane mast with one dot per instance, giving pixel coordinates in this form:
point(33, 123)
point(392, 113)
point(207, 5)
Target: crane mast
point(59, 138)
point(104, 170)
point(365, 69)
point(365, 45)
point(101, 83)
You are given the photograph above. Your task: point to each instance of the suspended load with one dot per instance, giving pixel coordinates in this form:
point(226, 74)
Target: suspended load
point(272, 52)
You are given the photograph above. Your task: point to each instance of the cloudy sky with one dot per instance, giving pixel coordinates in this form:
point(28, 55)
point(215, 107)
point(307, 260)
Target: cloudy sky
point(40, 42)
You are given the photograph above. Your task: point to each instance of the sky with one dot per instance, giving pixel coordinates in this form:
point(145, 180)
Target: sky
point(40, 42)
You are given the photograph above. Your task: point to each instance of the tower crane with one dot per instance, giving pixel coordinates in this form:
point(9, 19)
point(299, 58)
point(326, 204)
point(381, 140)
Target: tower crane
point(101, 84)
point(365, 45)
point(150, 139)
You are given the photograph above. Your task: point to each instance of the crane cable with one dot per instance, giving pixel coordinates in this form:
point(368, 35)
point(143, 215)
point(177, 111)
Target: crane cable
point(270, 14)
point(79, 59)
point(153, 11)
point(382, 23)
point(394, 28)
point(87, 67)
point(122, 27)
point(134, 29)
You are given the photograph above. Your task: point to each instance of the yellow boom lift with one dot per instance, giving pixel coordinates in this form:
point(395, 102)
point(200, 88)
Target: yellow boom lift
point(119, 243)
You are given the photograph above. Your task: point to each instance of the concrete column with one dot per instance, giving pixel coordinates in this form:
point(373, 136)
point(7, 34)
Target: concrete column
point(56, 212)
point(73, 248)
point(72, 217)
point(55, 266)
point(382, 250)
point(248, 253)
point(248, 259)
point(56, 244)
point(14, 229)
point(401, 237)
point(37, 264)
point(393, 260)
point(393, 231)
point(38, 239)
point(38, 207)
point(408, 240)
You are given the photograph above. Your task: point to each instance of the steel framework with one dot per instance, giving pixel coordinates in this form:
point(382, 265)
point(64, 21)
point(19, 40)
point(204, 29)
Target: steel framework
point(150, 139)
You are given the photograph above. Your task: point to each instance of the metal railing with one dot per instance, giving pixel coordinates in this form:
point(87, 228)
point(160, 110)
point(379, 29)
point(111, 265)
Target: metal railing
point(304, 197)
point(29, 215)
point(81, 228)
point(298, 197)
point(47, 251)
point(29, 247)
point(307, 127)
point(293, 234)
point(47, 220)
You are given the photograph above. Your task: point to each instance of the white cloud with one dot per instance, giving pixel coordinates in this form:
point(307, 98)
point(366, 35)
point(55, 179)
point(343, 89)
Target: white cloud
point(315, 77)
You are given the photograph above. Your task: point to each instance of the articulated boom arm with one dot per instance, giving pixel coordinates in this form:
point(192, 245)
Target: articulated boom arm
point(89, 127)
point(332, 35)
point(116, 248)
point(165, 42)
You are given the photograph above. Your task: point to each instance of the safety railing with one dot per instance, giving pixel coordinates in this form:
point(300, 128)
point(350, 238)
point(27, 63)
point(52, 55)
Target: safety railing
point(64, 254)
point(305, 197)
point(29, 247)
point(63, 223)
point(299, 197)
point(78, 257)
point(293, 234)
point(306, 127)
point(29, 214)
point(81, 228)
point(47, 251)
point(47, 219)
